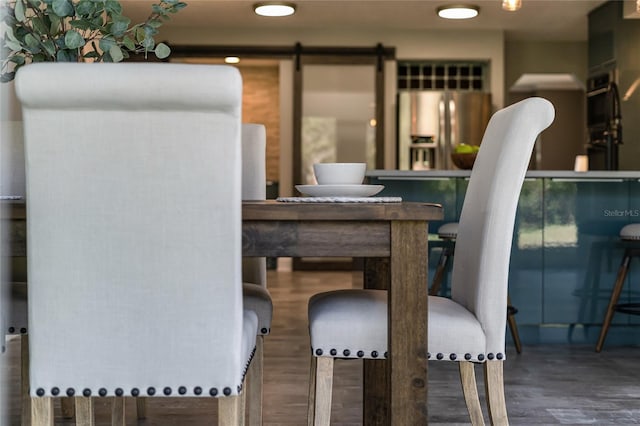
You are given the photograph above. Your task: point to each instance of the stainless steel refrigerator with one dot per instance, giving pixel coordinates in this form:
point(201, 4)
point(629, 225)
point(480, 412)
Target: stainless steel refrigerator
point(431, 123)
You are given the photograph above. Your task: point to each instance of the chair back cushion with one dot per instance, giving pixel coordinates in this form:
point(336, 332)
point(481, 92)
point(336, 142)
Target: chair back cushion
point(254, 187)
point(134, 225)
point(483, 245)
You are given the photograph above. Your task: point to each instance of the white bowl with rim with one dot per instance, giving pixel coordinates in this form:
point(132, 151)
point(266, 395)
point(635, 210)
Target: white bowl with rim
point(339, 173)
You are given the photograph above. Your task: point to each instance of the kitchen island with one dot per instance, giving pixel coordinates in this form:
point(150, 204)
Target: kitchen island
point(566, 250)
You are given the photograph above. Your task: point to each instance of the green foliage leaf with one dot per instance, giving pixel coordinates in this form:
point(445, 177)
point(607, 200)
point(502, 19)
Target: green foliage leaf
point(81, 24)
point(66, 55)
point(35, 3)
point(54, 27)
point(129, 43)
point(113, 7)
point(73, 39)
point(49, 47)
point(63, 8)
point(162, 51)
point(19, 11)
point(148, 43)
point(19, 60)
point(39, 26)
point(7, 77)
point(85, 8)
point(13, 45)
point(31, 41)
point(119, 26)
point(106, 43)
point(116, 53)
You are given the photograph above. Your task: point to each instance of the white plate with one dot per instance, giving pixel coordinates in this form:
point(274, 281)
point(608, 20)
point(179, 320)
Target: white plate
point(340, 190)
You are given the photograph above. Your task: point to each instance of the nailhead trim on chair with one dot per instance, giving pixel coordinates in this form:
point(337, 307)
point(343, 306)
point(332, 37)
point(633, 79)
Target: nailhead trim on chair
point(71, 392)
point(12, 330)
point(102, 392)
point(151, 391)
point(182, 390)
point(166, 391)
point(54, 391)
point(86, 392)
point(347, 353)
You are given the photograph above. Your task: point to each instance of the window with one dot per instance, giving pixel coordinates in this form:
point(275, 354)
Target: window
point(439, 75)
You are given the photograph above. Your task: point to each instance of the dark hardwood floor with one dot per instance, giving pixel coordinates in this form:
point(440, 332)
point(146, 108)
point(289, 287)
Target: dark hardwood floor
point(545, 385)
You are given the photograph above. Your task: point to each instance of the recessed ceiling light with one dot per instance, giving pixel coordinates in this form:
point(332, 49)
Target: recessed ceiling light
point(232, 59)
point(511, 5)
point(273, 8)
point(457, 11)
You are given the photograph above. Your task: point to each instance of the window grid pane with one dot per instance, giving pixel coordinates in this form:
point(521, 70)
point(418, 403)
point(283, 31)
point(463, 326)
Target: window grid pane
point(438, 75)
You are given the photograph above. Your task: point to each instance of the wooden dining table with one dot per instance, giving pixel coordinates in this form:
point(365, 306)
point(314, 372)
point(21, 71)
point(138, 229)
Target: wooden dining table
point(392, 239)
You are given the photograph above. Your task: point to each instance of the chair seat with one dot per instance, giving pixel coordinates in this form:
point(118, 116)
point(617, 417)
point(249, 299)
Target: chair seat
point(249, 333)
point(365, 313)
point(630, 232)
point(448, 230)
point(257, 299)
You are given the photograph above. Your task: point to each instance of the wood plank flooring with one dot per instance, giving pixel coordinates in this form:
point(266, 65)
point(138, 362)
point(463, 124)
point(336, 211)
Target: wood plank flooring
point(545, 385)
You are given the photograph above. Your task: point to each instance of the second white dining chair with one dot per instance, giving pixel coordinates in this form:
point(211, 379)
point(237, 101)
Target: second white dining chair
point(469, 327)
point(134, 234)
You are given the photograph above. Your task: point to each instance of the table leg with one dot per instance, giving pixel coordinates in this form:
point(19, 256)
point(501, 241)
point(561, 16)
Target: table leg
point(408, 306)
point(376, 388)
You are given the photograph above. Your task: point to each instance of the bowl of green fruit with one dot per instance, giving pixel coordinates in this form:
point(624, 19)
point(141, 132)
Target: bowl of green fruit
point(464, 156)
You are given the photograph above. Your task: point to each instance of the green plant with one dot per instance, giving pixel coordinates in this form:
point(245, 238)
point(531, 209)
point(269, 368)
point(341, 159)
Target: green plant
point(70, 31)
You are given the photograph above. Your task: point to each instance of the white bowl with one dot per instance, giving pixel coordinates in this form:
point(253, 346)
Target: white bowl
point(339, 173)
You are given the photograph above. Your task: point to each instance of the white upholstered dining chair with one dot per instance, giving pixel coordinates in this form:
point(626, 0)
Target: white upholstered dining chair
point(256, 297)
point(134, 234)
point(470, 327)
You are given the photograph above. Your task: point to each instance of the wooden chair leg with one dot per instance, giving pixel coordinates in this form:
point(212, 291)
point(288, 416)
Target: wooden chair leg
point(494, 389)
point(42, 411)
point(67, 407)
point(470, 392)
point(141, 407)
point(440, 270)
point(615, 295)
point(229, 411)
point(323, 390)
point(513, 326)
point(118, 411)
point(84, 411)
point(311, 402)
point(254, 385)
point(24, 378)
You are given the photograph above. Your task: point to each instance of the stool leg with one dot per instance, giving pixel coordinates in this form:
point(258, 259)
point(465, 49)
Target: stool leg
point(615, 295)
point(440, 270)
point(513, 327)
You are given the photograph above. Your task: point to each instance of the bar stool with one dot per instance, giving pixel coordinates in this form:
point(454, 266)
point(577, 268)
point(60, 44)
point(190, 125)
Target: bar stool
point(448, 233)
point(629, 233)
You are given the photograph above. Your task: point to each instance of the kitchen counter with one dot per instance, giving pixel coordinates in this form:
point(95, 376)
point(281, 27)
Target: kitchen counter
point(565, 252)
point(558, 174)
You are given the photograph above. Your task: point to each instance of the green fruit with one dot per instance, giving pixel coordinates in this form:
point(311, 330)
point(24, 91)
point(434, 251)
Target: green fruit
point(463, 148)
point(476, 148)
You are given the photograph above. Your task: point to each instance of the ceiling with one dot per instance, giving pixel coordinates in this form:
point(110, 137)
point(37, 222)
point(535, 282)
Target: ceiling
point(557, 20)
